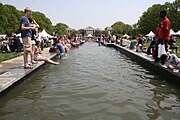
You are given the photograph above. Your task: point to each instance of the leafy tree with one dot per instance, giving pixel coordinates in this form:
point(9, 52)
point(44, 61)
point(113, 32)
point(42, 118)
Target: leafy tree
point(43, 21)
point(81, 32)
point(174, 14)
point(150, 18)
point(120, 28)
point(74, 33)
point(97, 32)
point(105, 32)
point(9, 19)
point(61, 28)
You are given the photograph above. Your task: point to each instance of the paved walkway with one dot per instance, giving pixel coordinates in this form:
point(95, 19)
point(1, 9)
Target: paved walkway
point(12, 71)
point(15, 62)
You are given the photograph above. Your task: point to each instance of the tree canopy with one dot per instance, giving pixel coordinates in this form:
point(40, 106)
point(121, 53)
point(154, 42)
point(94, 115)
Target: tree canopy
point(151, 18)
point(119, 28)
point(10, 21)
point(43, 21)
point(61, 28)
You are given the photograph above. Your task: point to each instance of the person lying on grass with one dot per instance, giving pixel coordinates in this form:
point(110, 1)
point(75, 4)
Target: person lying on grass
point(38, 57)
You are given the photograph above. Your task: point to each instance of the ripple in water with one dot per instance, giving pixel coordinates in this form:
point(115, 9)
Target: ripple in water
point(93, 83)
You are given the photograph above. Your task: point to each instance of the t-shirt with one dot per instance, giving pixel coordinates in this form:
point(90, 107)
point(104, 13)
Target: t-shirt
point(173, 58)
point(61, 48)
point(158, 34)
point(173, 61)
point(25, 33)
point(166, 24)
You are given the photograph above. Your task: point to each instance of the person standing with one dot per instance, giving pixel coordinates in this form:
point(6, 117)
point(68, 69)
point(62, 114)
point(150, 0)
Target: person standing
point(33, 38)
point(158, 40)
point(26, 34)
point(166, 26)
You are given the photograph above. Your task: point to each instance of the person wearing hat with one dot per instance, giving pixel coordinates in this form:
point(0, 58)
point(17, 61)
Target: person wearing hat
point(26, 34)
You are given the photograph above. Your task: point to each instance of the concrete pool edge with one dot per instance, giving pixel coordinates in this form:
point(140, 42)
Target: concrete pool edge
point(13, 77)
point(175, 77)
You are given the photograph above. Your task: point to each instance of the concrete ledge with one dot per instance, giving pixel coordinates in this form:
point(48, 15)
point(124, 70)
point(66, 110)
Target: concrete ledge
point(10, 79)
point(148, 62)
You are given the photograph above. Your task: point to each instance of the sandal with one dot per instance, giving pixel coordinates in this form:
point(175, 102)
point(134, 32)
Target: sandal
point(34, 62)
point(28, 67)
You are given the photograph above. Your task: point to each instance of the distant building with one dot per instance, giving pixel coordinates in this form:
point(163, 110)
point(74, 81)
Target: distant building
point(89, 30)
point(69, 30)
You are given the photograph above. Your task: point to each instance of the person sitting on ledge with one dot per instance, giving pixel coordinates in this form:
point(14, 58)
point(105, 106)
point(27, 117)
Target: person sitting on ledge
point(38, 57)
point(61, 48)
point(171, 61)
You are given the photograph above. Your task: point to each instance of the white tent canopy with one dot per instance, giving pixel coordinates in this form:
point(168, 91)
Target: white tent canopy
point(89, 36)
point(3, 36)
point(151, 34)
point(125, 35)
point(172, 32)
point(45, 34)
point(18, 35)
point(178, 33)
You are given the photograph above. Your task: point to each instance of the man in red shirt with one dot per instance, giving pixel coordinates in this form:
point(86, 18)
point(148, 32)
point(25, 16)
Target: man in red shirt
point(166, 26)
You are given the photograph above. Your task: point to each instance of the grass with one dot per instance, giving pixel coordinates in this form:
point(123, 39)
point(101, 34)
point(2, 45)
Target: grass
point(177, 42)
point(7, 56)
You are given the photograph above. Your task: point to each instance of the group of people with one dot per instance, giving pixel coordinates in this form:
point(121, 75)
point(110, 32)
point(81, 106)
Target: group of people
point(31, 46)
point(160, 45)
point(163, 44)
point(11, 44)
point(32, 41)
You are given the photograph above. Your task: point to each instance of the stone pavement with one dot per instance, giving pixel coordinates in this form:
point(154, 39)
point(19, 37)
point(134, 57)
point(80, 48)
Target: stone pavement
point(12, 71)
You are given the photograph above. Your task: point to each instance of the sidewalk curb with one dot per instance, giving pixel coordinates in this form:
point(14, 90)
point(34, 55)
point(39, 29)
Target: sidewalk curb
point(12, 78)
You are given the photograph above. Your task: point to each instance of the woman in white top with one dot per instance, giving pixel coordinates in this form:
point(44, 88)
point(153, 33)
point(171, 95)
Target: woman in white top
point(38, 57)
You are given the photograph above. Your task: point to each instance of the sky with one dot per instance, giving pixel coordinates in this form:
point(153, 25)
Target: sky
point(78, 14)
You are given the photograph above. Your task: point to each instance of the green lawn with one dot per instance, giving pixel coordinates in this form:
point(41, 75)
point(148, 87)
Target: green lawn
point(177, 42)
point(7, 56)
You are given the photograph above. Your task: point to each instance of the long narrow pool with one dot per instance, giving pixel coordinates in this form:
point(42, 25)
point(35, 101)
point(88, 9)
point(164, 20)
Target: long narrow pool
point(93, 83)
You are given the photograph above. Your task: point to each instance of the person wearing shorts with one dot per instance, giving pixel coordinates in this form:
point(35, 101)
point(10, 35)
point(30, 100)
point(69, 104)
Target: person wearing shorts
point(38, 57)
point(26, 34)
point(33, 38)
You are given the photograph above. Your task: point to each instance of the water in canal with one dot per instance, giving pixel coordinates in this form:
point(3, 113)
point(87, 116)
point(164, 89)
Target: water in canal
point(93, 83)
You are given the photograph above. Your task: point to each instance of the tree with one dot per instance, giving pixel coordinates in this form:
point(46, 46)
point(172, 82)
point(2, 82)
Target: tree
point(74, 33)
point(82, 32)
point(120, 28)
point(174, 14)
point(104, 32)
point(9, 19)
point(61, 28)
point(150, 18)
point(43, 21)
